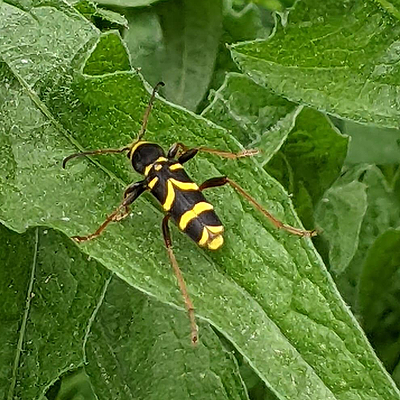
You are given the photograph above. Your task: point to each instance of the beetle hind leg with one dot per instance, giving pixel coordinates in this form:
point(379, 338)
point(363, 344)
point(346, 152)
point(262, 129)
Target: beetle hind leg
point(181, 281)
point(223, 180)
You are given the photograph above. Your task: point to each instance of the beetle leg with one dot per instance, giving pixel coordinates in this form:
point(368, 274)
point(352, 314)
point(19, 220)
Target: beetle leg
point(185, 153)
point(179, 277)
point(132, 193)
point(223, 180)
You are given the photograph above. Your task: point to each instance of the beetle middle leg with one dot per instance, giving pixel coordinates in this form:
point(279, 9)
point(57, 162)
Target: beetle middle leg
point(185, 153)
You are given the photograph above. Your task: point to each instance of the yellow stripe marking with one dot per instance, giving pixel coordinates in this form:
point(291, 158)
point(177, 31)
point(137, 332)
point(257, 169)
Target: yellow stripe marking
point(135, 146)
point(158, 167)
point(194, 213)
point(147, 169)
point(215, 229)
point(184, 185)
point(180, 185)
point(204, 237)
point(176, 166)
point(170, 196)
point(152, 183)
point(216, 243)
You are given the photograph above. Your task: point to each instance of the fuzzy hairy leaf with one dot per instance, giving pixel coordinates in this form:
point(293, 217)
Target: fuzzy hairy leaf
point(49, 293)
point(177, 42)
point(379, 290)
point(141, 346)
point(266, 291)
point(60, 310)
point(255, 115)
point(339, 57)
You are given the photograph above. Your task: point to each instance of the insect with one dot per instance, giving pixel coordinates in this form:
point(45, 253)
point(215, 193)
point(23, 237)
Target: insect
point(181, 199)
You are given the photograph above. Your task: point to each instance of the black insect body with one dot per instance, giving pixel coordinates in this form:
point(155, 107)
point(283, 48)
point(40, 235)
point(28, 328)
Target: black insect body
point(177, 193)
point(180, 197)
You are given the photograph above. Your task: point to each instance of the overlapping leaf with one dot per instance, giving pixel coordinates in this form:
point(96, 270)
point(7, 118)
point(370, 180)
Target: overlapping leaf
point(378, 296)
point(59, 310)
point(256, 116)
point(266, 291)
point(177, 42)
point(339, 57)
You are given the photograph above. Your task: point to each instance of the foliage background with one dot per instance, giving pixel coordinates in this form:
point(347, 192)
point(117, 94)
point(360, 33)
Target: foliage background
point(314, 85)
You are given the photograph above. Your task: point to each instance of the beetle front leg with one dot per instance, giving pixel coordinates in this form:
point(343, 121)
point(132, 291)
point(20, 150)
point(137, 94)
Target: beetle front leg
point(131, 193)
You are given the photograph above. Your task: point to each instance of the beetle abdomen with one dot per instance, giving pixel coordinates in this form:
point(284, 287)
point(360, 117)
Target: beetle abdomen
point(182, 199)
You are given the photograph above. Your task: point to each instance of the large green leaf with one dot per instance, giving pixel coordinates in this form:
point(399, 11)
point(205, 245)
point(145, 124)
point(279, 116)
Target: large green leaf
point(60, 310)
point(378, 298)
point(49, 291)
point(177, 42)
point(266, 291)
point(339, 57)
point(140, 347)
point(255, 115)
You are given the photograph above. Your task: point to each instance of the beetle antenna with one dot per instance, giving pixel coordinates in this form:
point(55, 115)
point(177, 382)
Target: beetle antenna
point(93, 153)
point(148, 110)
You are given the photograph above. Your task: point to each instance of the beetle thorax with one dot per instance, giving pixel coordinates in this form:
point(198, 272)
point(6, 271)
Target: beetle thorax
point(143, 154)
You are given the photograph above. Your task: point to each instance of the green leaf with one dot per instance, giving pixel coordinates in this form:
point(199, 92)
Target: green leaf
point(149, 40)
point(274, 5)
point(379, 291)
point(340, 215)
point(308, 152)
point(99, 16)
point(61, 310)
point(396, 374)
point(383, 212)
point(72, 386)
point(309, 161)
point(140, 347)
point(266, 291)
point(373, 145)
point(255, 115)
point(338, 57)
point(177, 42)
point(109, 56)
point(237, 26)
point(49, 291)
point(127, 3)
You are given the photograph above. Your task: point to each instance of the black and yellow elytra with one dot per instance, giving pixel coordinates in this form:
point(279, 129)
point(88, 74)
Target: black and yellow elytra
point(178, 194)
point(180, 197)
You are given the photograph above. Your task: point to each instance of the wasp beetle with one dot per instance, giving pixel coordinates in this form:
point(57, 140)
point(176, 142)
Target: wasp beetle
point(181, 199)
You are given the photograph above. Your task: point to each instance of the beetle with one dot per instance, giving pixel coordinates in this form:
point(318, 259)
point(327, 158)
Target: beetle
point(181, 198)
